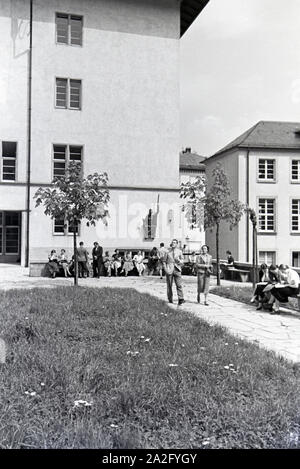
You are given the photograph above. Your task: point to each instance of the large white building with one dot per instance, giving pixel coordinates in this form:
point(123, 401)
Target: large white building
point(263, 167)
point(96, 81)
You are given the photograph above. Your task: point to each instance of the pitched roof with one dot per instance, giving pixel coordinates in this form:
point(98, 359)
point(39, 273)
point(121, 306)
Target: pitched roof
point(189, 160)
point(189, 10)
point(267, 134)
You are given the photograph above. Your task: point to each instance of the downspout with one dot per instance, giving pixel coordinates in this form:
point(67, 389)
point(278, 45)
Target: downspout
point(247, 202)
point(28, 182)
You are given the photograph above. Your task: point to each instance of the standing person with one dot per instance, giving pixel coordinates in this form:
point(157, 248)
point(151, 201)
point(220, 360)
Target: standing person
point(128, 263)
point(152, 261)
point(139, 263)
point(63, 261)
point(107, 263)
point(53, 264)
point(289, 286)
point(82, 259)
point(172, 264)
point(162, 252)
point(204, 271)
point(97, 254)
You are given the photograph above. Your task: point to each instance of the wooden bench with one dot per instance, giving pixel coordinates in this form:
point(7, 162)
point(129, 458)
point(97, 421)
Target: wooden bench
point(242, 274)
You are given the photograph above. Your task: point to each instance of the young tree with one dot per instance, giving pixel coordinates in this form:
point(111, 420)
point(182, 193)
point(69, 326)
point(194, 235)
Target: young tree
point(74, 198)
point(215, 203)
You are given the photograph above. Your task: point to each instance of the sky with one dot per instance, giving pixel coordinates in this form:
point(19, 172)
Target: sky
point(240, 64)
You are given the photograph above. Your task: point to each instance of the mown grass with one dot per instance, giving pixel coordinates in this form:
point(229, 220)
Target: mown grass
point(68, 344)
point(244, 294)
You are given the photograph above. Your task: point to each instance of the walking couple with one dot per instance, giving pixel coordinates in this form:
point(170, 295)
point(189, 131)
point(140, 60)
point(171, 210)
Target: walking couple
point(173, 262)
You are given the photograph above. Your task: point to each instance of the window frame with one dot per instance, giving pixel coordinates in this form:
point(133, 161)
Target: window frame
point(293, 232)
point(267, 232)
point(1, 231)
point(266, 251)
point(68, 43)
point(7, 181)
point(66, 229)
point(67, 160)
point(294, 158)
point(292, 252)
point(19, 234)
point(68, 100)
point(267, 181)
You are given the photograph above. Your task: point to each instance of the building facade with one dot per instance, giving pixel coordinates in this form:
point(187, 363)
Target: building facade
point(97, 82)
point(263, 167)
point(191, 166)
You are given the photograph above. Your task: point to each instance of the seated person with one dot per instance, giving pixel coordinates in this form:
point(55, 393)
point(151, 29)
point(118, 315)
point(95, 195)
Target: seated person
point(116, 261)
point(267, 278)
point(230, 259)
point(64, 263)
point(138, 261)
point(288, 286)
point(52, 265)
point(128, 263)
point(108, 263)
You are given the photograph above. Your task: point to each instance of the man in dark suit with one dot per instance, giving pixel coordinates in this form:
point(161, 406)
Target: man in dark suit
point(97, 254)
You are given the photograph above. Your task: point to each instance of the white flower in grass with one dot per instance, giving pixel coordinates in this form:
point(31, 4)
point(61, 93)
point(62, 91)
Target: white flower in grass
point(82, 403)
point(172, 365)
point(147, 340)
point(206, 442)
point(114, 426)
point(226, 367)
point(226, 343)
point(236, 343)
point(32, 394)
point(142, 337)
point(202, 348)
point(231, 364)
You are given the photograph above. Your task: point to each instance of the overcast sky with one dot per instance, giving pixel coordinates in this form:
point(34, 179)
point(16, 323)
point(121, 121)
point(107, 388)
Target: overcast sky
point(240, 63)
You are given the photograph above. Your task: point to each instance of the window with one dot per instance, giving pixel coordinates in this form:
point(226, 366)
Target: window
point(62, 155)
point(295, 215)
point(295, 170)
point(9, 155)
point(69, 29)
point(296, 259)
point(62, 227)
point(1, 231)
point(68, 93)
point(266, 170)
point(12, 233)
point(267, 257)
point(266, 215)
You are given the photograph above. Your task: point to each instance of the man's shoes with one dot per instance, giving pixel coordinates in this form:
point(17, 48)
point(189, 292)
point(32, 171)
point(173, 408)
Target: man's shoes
point(259, 307)
point(180, 302)
point(171, 301)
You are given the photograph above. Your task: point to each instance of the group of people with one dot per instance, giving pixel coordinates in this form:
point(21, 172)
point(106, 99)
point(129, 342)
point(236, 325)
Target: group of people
point(276, 285)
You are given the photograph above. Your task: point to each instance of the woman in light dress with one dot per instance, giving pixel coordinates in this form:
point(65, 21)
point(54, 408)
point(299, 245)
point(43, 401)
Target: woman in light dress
point(204, 271)
point(128, 263)
point(139, 263)
point(63, 261)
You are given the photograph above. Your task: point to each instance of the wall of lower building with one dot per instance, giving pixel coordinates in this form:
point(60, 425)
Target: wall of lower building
point(228, 238)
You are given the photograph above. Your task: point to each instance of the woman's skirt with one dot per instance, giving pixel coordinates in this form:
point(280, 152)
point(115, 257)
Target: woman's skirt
point(128, 266)
point(259, 289)
point(203, 283)
point(282, 294)
point(53, 267)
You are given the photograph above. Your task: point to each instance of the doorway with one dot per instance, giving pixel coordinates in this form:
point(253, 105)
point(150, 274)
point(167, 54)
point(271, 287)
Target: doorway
point(10, 237)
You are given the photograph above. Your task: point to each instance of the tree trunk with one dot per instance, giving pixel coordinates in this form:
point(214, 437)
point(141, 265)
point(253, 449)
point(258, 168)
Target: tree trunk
point(218, 256)
point(75, 256)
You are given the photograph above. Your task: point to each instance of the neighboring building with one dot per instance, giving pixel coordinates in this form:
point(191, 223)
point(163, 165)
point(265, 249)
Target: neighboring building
point(263, 166)
point(191, 165)
point(100, 85)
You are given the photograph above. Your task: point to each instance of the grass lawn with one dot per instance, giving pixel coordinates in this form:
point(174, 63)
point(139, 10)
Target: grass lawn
point(112, 368)
point(244, 294)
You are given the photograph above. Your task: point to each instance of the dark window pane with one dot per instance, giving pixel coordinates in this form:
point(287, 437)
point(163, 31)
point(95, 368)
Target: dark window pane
point(75, 153)
point(62, 28)
point(59, 225)
point(75, 92)
point(61, 92)
point(76, 30)
point(59, 152)
point(12, 241)
point(12, 218)
point(1, 238)
point(9, 149)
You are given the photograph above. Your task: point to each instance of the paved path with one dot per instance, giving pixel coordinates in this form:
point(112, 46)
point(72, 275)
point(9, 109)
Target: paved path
point(280, 333)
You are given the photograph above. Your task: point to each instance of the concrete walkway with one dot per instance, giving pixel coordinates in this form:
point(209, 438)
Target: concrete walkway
point(280, 333)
